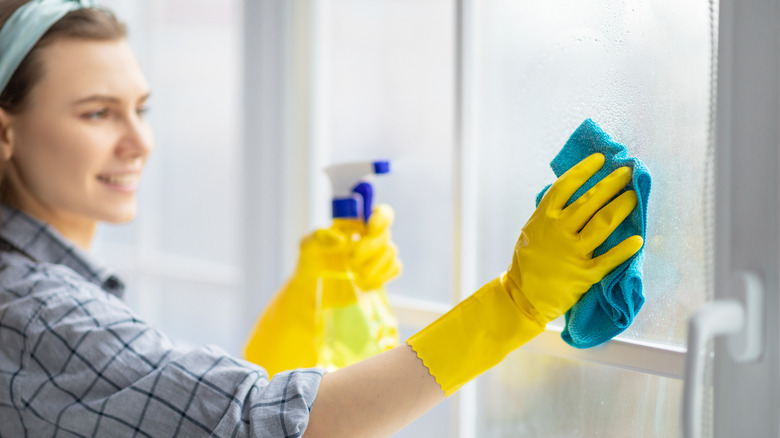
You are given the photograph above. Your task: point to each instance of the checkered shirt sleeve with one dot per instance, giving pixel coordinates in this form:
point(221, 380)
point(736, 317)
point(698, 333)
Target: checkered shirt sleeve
point(76, 362)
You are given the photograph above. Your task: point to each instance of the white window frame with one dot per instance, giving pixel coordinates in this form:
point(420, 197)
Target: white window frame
point(747, 219)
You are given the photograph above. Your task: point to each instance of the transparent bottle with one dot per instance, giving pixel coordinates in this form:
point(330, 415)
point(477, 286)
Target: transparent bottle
point(352, 324)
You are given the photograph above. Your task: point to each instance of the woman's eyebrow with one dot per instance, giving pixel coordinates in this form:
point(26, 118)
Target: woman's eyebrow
point(97, 98)
point(106, 99)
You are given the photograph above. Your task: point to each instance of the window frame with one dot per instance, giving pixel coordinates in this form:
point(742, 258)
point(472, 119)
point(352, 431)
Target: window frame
point(746, 397)
point(280, 103)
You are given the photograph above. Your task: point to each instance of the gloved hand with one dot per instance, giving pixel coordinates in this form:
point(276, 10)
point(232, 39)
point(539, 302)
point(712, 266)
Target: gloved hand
point(552, 265)
point(374, 258)
point(551, 269)
point(286, 333)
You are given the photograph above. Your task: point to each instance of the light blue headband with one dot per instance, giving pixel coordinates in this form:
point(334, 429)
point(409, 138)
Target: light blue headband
point(26, 26)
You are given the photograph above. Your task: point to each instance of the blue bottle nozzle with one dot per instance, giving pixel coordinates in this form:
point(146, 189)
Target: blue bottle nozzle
point(353, 194)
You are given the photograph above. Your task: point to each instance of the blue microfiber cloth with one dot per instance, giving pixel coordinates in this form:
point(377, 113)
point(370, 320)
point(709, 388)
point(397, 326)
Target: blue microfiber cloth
point(609, 306)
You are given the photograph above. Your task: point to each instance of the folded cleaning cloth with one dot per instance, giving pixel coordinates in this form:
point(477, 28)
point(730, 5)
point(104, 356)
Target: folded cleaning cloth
point(610, 305)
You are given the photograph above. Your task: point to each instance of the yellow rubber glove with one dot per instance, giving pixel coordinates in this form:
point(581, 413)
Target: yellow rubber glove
point(331, 262)
point(551, 269)
point(374, 258)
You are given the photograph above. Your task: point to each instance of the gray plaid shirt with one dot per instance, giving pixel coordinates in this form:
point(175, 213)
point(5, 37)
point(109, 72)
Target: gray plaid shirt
point(76, 361)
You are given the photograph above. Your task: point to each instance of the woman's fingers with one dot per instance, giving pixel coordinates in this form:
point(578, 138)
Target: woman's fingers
point(324, 238)
point(605, 263)
point(377, 234)
point(374, 258)
point(369, 245)
point(582, 210)
point(381, 219)
point(603, 223)
point(377, 270)
point(573, 179)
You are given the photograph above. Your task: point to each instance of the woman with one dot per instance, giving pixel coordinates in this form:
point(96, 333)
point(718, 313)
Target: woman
point(74, 358)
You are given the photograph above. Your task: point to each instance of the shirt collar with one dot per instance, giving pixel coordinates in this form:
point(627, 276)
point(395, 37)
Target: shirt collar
point(42, 243)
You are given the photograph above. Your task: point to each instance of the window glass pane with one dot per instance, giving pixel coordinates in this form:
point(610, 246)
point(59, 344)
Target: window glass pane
point(190, 52)
point(204, 313)
point(639, 69)
point(534, 395)
point(385, 90)
point(196, 55)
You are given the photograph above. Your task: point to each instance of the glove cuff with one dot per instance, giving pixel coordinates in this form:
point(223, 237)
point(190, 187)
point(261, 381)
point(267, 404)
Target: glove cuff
point(473, 337)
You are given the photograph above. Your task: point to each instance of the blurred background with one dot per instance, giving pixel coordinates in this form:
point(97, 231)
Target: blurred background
point(470, 101)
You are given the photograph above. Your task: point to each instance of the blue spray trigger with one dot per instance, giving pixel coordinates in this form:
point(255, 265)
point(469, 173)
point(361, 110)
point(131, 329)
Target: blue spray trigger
point(366, 192)
point(381, 167)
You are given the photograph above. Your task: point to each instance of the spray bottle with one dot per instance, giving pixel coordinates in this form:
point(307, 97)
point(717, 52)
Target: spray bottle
point(354, 324)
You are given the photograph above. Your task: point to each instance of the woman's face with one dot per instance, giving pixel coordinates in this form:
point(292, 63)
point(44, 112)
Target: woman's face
point(78, 148)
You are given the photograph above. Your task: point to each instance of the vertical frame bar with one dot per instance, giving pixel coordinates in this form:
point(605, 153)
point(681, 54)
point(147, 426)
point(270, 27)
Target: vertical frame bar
point(279, 154)
point(747, 399)
point(300, 168)
point(266, 24)
point(465, 194)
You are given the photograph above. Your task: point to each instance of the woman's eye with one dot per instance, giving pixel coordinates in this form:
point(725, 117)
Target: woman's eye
point(142, 111)
point(96, 115)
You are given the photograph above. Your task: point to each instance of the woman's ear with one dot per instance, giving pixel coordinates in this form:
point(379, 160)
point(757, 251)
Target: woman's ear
point(6, 135)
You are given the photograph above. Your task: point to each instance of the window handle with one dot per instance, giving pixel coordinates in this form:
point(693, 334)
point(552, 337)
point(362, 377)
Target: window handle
point(741, 319)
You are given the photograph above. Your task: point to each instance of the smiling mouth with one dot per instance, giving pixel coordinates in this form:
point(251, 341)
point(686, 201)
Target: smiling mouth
point(127, 179)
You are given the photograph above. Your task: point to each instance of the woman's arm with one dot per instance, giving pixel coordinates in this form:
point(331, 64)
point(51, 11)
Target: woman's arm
point(552, 267)
point(375, 397)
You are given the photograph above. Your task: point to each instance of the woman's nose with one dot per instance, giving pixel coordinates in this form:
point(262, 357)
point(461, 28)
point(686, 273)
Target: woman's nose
point(136, 141)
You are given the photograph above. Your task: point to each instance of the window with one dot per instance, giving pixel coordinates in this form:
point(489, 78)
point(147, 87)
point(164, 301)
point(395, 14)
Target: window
point(470, 101)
